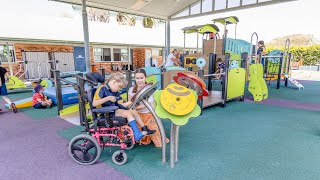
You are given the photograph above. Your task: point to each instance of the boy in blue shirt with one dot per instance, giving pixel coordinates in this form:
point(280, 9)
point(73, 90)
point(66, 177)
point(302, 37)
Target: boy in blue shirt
point(108, 95)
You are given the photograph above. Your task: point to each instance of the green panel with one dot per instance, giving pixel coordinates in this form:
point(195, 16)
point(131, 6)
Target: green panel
point(234, 56)
point(15, 83)
point(253, 71)
point(262, 82)
point(255, 89)
point(257, 85)
point(236, 82)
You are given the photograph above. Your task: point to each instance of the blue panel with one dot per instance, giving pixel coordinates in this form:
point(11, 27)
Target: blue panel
point(79, 59)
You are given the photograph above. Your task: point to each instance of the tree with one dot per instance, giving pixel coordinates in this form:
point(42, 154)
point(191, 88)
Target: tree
point(295, 39)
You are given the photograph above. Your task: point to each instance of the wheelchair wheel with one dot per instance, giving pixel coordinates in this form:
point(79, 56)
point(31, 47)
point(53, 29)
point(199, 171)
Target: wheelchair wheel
point(130, 144)
point(119, 157)
point(84, 149)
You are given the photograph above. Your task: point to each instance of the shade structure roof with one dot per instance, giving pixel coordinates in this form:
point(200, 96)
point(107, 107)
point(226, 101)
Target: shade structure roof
point(173, 9)
point(207, 28)
point(227, 20)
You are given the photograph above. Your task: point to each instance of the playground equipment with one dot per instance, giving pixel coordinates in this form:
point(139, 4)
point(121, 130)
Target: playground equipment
point(215, 52)
point(257, 85)
point(178, 104)
point(278, 65)
point(233, 46)
point(22, 103)
point(30, 68)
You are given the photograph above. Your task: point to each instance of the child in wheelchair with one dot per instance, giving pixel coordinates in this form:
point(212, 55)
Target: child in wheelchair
point(108, 95)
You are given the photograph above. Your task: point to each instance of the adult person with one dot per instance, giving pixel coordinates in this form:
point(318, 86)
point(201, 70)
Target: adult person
point(172, 59)
point(144, 113)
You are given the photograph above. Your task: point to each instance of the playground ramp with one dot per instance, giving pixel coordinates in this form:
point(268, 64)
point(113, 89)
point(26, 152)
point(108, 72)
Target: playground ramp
point(294, 82)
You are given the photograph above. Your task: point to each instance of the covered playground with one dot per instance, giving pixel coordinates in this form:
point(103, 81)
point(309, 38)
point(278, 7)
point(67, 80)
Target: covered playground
point(274, 138)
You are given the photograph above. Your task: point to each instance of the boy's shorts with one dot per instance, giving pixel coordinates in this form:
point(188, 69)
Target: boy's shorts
point(39, 106)
point(3, 90)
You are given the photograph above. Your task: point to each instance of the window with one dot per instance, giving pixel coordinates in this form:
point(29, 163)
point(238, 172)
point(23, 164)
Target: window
point(195, 8)
point(106, 54)
point(185, 12)
point(233, 3)
point(4, 53)
point(156, 52)
point(247, 2)
point(97, 54)
point(120, 54)
point(206, 5)
point(220, 4)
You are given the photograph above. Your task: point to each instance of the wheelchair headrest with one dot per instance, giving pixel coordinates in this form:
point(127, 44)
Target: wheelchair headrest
point(95, 77)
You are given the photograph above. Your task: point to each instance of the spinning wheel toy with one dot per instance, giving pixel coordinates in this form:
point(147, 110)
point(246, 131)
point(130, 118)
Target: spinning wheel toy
point(143, 94)
point(178, 100)
point(201, 62)
point(192, 81)
point(177, 103)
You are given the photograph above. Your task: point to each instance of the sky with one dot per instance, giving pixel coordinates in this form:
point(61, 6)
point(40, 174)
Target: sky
point(51, 20)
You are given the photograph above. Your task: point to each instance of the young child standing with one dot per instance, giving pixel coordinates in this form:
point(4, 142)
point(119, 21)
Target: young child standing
point(220, 67)
point(108, 95)
point(261, 51)
point(39, 100)
point(3, 88)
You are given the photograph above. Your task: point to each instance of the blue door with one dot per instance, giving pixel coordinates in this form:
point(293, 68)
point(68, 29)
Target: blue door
point(79, 59)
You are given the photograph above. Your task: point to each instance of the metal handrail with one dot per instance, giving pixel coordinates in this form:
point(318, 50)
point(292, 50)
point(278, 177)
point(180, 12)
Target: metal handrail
point(39, 69)
point(216, 74)
point(251, 48)
point(271, 56)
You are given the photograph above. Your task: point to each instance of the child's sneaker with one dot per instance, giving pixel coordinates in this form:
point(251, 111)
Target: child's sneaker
point(13, 108)
point(145, 128)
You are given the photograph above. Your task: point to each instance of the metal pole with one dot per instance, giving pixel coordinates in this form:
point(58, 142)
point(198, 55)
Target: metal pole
point(215, 43)
point(81, 92)
point(56, 76)
point(251, 47)
point(129, 78)
point(167, 36)
point(176, 149)
point(161, 128)
point(9, 59)
point(212, 67)
point(201, 76)
point(198, 41)
point(225, 81)
point(288, 69)
point(202, 44)
point(172, 146)
point(235, 36)
point(162, 70)
point(86, 36)
point(184, 43)
point(129, 58)
point(279, 73)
